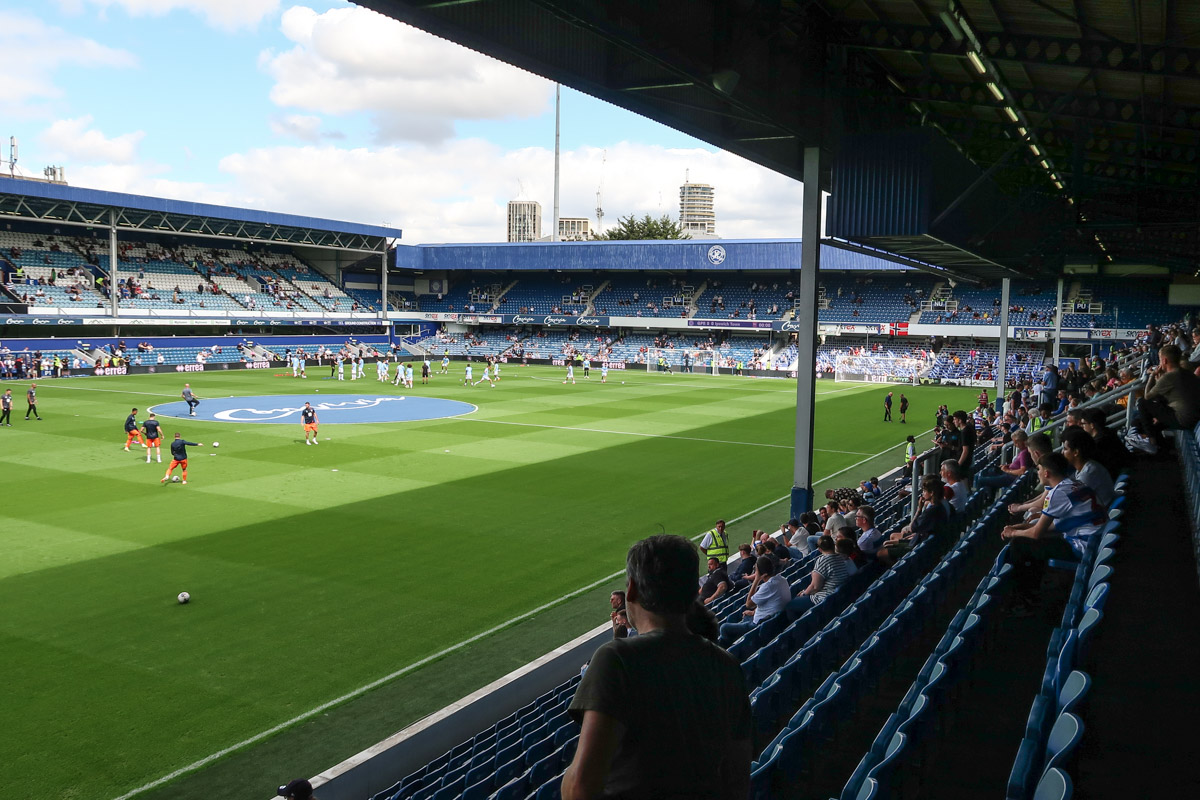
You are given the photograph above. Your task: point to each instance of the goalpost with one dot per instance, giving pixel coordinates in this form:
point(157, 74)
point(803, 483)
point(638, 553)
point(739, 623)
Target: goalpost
point(878, 369)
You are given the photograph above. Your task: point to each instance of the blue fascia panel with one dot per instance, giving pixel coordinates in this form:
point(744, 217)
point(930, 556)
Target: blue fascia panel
point(703, 255)
point(74, 194)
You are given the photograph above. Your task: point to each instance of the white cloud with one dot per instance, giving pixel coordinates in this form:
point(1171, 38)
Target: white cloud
point(31, 51)
point(305, 127)
point(147, 179)
point(414, 85)
point(229, 15)
point(458, 192)
point(73, 141)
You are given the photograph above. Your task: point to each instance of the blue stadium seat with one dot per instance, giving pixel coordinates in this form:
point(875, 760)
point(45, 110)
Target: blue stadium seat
point(1020, 779)
point(1063, 740)
point(551, 790)
point(1074, 691)
point(1054, 785)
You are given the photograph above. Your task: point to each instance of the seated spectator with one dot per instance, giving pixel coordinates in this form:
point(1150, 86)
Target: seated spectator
point(743, 570)
point(769, 594)
point(716, 584)
point(870, 537)
point(1079, 449)
point(1071, 515)
point(932, 512)
point(956, 488)
point(1172, 397)
point(829, 572)
point(1110, 450)
point(1007, 474)
point(847, 545)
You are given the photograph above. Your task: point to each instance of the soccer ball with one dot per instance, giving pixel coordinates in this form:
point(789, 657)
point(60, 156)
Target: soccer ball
point(174, 479)
point(183, 597)
point(216, 444)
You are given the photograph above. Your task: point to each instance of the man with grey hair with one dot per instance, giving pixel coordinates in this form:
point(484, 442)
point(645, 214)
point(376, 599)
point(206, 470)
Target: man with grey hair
point(956, 489)
point(665, 713)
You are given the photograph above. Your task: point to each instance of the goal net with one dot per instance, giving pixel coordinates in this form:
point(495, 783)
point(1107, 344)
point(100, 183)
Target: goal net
point(878, 369)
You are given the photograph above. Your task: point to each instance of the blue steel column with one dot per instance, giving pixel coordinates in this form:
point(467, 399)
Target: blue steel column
point(112, 264)
point(1002, 365)
point(1058, 323)
point(383, 276)
point(806, 333)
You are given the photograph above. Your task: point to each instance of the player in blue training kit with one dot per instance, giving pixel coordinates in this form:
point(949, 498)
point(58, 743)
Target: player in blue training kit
point(179, 456)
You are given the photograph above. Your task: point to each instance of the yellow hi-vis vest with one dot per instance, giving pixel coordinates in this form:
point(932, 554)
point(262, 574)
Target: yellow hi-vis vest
point(719, 547)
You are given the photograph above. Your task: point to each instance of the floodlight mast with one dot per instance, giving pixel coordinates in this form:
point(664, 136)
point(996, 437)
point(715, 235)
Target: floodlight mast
point(557, 131)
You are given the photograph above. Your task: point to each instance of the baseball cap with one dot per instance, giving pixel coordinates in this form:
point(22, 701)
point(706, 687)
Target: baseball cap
point(298, 789)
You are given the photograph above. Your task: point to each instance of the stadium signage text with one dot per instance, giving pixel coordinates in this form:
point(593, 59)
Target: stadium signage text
point(189, 368)
point(256, 364)
point(331, 410)
point(112, 370)
point(520, 320)
point(730, 323)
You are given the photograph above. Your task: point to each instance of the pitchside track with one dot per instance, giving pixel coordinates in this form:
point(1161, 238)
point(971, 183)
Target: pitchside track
point(316, 571)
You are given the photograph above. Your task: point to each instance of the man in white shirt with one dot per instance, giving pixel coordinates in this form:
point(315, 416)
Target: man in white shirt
point(1070, 515)
point(769, 595)
point(956, 487)
point(870, 537)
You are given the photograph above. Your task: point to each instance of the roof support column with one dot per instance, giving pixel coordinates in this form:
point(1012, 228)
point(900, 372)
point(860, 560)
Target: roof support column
point(1058, 322)
point(806, 333)
point(113, 294)
point(383, 276)
point(1002, 361)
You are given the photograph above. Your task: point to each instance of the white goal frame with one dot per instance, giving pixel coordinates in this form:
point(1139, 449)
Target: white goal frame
point(846, 371)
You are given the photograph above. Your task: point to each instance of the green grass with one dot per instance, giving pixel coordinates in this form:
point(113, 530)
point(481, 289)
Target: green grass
point(309, 583)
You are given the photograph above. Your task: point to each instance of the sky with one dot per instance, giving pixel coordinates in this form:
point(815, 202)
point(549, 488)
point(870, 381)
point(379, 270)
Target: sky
point(331, 110)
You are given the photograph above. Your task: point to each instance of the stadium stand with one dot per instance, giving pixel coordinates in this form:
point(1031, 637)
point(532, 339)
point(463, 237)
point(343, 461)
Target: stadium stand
point(850, 298)
point(817, 681)
point(546, 295)
point(977, 361)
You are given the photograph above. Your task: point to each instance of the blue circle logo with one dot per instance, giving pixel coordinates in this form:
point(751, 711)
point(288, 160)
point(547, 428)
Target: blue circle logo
point(337, 409)
point(716, 254)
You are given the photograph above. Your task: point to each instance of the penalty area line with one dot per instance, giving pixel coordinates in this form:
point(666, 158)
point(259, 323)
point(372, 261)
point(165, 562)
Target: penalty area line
point(375, 684)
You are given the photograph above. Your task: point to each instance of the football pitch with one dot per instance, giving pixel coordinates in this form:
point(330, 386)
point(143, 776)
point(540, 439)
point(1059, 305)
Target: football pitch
point(321, 577)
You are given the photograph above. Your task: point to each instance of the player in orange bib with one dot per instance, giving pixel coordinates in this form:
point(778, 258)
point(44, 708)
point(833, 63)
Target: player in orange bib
point(179, 456)
point(308, 416)
point(132, 433)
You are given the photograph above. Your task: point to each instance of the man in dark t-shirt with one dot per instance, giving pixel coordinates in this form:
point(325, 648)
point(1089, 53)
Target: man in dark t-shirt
point(664, 714)
point(31, 401)
point(153, 432)
point(716, 583)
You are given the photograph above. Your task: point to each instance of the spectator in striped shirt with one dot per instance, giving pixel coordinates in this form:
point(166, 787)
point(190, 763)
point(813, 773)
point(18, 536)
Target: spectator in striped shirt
point(829, 572)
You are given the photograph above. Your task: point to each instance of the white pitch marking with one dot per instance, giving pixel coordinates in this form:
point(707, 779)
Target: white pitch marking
point(258, 737)
point(698, 385)
point(112, 391)
point(654, 435)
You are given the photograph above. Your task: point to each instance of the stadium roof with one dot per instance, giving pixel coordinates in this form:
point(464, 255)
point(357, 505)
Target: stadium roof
point(1068, 131)
point(68, 205)
point(698, 255)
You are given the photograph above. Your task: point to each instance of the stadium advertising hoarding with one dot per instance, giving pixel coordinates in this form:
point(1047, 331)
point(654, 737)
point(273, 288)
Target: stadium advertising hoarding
point(45, 321)
point(153, 369)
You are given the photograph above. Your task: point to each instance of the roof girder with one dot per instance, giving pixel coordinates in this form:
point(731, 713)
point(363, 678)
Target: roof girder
point(1028, 50)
